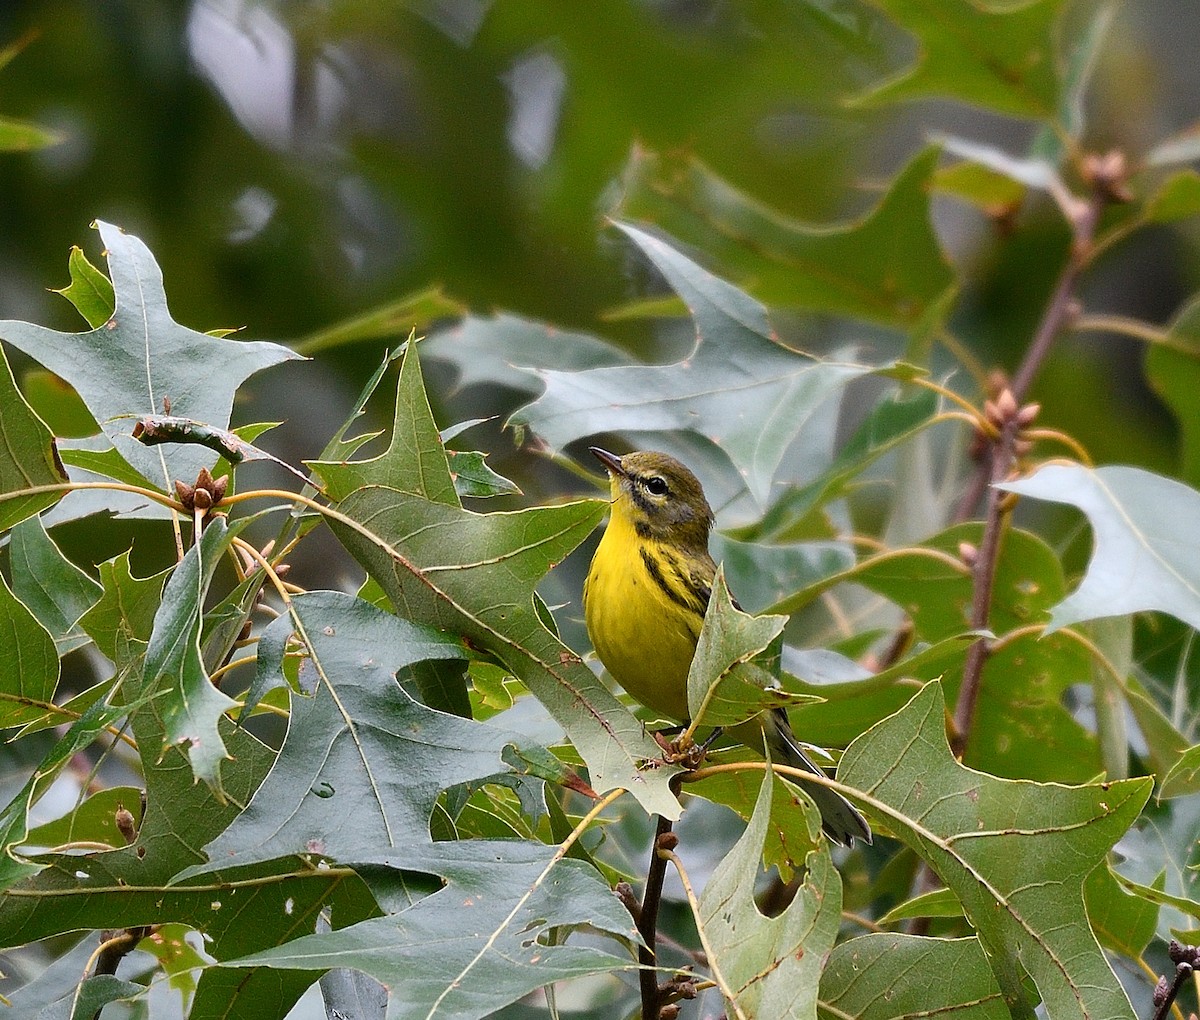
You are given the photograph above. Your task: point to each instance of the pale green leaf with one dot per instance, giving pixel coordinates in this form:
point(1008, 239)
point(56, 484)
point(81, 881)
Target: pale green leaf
point(90, 291)
point(480, 942)
point(139, 356)
point(24, 136)
point(886, 976)
point(1015, 853)
point(400, 318)
point(744, 391)
point(937, 903)
point(772, 963)
point(509, 351)
point(1177, 198)
point(1141, 559)
point(1182, 147)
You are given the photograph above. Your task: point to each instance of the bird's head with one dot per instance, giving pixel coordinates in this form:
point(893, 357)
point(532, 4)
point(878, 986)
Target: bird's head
point(658, 496)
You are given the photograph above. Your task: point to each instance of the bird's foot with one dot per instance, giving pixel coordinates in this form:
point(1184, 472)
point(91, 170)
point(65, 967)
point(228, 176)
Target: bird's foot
point(683, 750)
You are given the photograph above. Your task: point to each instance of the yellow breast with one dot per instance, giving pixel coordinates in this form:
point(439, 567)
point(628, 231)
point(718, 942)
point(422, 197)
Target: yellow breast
point(640, 630)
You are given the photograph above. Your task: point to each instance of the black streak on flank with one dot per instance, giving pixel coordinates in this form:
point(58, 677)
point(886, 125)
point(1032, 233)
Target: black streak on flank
point(656, 576)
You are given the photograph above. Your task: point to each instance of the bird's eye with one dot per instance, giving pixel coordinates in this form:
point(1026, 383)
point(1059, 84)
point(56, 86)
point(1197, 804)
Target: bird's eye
point(656, 485)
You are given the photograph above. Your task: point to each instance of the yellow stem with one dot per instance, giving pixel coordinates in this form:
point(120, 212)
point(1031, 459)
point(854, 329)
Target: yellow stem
point(950, 395)
point(1070, 442)
point(966, 357)
point(82, 844)
point(862, 922)
point(230, 666)
point(709, 952)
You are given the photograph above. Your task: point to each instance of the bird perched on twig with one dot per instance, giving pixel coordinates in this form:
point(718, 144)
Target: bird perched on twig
point(645, 598)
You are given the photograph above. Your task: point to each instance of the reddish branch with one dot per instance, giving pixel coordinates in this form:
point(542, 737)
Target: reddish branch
point(1106, 175)
point(997, 452)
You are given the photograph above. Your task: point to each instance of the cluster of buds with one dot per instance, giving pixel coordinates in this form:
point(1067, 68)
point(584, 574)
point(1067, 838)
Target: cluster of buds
point(680, 986)
point(1187, 961)
point(1108, 174)
point(205, 494)
point(1003, 412)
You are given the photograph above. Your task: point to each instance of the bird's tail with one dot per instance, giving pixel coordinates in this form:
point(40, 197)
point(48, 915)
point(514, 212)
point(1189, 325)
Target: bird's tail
point(839, 818)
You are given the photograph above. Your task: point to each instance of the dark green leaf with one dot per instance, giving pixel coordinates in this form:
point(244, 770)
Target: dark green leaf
point(56, 591)
point(415, 460)
point(14, 819)
point(94, 820)
point(471, 573)
point(1173, 368)
point(27, 455)
point(191, 706)
point(122, 620)
point(887, 267)
point(473, 477)
point(28, 662)
point(788, 839)
point(1002, 58)
point(1123, 923)
point(725, 686)
point(359, 748)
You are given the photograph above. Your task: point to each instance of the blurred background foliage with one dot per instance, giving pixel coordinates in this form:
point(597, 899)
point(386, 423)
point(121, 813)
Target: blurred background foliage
point(296, 164)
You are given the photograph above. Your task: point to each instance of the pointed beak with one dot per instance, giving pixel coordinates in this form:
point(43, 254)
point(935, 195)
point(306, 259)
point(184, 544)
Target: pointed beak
point(611, 462)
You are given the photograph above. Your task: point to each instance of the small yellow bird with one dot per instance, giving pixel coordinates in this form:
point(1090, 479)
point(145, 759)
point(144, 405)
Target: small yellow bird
point(645, 598)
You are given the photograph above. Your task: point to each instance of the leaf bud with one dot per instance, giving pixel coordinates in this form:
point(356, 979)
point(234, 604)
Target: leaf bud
point(126, 824)
point(1161, 991)
point(1006, 405)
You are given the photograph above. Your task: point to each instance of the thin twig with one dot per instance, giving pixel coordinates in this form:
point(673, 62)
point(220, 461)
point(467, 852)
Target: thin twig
point(647, 924)
point(1059, 310)
point(984, 574)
